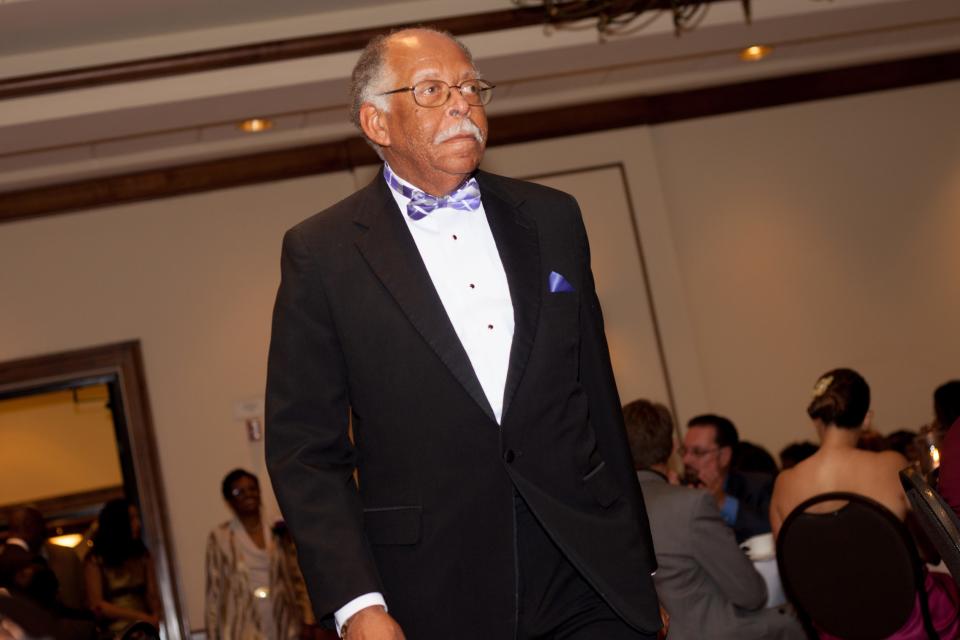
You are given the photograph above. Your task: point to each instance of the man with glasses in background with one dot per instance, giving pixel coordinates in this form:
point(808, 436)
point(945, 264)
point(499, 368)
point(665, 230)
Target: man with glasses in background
point(443, 429)
point(743, 498)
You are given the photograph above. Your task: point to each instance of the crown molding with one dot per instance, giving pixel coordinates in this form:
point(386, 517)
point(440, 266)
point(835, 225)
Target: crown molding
point(343, 155)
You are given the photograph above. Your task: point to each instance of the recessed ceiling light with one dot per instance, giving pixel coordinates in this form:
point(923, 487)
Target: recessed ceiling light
point(755, 52)
point(255, 125)
point(68, 540)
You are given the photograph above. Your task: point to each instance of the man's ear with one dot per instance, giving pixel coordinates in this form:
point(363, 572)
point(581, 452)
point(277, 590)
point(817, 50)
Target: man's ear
point(373, 121)
point(725, 454)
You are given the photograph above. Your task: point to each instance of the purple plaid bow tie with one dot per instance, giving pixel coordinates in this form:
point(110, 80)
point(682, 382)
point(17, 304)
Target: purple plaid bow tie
point(465, 198)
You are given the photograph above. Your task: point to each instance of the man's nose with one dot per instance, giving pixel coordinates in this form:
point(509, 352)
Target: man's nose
point(457, 105)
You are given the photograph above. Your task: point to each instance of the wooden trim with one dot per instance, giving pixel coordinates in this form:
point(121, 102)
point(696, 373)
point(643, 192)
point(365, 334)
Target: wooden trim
point(125, 361)
point(514, 128)
point(66, 504)
point(262, 52)
point(250, 54)
point(71, 513)
point(730, 98)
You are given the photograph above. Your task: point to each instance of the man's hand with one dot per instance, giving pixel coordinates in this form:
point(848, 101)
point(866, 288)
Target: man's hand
point(373, 623)
point(665, 619)
point(673, 478)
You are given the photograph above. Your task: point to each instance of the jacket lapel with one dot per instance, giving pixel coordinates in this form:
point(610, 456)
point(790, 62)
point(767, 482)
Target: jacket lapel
point(516, 237)
point(389, 249)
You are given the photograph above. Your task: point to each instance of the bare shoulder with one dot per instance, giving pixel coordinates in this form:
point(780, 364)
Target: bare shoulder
point(896, 459)
point(785, 488)
point(891, 461)
point(798, 475)
point(784, 479)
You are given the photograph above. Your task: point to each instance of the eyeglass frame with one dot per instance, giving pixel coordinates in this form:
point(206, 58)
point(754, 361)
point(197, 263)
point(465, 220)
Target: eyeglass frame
point(236, 492)
point(485, 86)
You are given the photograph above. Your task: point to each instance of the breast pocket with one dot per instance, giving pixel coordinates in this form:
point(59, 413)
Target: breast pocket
point(560, 326)
point(602, 485)
point(393, 525)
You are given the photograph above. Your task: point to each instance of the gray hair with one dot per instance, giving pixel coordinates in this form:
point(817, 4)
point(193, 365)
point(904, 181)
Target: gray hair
point(371, 74)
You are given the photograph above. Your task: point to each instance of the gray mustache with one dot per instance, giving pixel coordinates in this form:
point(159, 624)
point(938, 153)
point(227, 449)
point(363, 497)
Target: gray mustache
point(463, 126)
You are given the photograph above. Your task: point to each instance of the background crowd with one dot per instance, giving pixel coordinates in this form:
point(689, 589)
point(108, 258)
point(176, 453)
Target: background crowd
point(716, 506)
point(108, 588)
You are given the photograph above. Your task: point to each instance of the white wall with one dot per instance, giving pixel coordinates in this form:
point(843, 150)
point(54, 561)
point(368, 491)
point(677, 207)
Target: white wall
point(194, 279)
point(815, 236)
point(777, 243)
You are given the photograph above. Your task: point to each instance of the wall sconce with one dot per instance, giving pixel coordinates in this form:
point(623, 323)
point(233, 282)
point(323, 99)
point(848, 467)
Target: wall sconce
point(250, 413)
point(254, 429)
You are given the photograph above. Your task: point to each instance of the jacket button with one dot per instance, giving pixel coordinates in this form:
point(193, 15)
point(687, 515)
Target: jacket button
point(508, 456)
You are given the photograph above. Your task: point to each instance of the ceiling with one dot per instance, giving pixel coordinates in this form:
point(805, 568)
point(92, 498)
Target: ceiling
point(116, 128)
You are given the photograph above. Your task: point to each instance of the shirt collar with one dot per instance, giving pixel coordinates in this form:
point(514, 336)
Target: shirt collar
point(388, 171)
point(20, 542)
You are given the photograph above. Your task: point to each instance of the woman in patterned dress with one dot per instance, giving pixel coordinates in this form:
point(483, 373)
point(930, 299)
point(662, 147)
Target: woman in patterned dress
point(251, 587)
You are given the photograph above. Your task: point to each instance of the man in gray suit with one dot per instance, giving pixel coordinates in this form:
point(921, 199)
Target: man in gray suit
point(706, 583)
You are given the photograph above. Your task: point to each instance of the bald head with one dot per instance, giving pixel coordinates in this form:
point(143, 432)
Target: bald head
point(372, 74)
point(27, 524)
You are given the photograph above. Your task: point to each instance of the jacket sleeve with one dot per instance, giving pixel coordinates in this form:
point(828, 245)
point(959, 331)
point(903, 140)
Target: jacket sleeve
point(716, 550)
point(596, 376)
point(309, 454)
point(214, 590)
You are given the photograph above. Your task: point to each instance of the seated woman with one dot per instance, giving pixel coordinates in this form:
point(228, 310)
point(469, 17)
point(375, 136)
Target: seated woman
point(840, 409)
point(120, 580)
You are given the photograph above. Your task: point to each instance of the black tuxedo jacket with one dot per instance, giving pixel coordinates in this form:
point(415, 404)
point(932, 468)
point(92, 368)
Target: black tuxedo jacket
point(360, 338)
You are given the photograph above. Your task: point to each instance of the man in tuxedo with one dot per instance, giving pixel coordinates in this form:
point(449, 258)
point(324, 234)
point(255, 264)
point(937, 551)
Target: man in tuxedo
point(444, 434)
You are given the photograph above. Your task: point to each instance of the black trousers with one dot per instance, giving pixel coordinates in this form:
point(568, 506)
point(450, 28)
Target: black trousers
point(556, 602)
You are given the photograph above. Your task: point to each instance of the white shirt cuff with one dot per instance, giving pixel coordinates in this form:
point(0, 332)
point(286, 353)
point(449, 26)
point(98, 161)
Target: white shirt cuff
point(360, 602)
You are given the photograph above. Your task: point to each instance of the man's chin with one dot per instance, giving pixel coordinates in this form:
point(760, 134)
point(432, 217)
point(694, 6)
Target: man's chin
point(463, 163)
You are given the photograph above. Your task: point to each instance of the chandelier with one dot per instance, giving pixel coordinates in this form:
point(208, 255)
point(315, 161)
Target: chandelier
point(621, 17)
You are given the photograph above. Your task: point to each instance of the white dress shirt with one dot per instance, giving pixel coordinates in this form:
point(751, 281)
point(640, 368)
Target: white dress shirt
point(461, 257)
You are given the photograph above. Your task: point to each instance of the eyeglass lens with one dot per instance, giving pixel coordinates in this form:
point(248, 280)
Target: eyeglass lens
point(434, 93)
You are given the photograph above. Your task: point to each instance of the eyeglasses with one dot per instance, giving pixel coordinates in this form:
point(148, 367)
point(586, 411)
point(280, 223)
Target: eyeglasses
point(236, 492)
point(436, 93)
point(697, 453)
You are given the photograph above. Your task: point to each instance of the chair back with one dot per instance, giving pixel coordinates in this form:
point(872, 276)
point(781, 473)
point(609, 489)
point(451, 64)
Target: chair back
point(935, 517)
point(852, 572)
point(139, 631)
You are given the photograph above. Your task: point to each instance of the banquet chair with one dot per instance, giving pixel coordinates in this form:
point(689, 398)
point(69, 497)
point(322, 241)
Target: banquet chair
point(852, 571)
point(139, 631)
point(935, 517)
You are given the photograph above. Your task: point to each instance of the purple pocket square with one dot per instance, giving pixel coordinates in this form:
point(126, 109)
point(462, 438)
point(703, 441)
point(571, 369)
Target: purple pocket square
point(559, 284)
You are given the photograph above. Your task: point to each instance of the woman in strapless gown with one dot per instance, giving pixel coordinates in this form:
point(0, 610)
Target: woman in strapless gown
point(840, 410)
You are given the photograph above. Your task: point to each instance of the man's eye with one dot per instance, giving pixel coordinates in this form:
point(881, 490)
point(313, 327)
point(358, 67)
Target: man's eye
point(428, 89)
point(471, 88)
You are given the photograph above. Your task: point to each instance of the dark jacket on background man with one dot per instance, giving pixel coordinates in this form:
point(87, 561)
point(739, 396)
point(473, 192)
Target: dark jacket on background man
point(753, 491)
